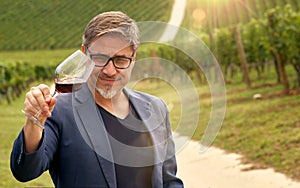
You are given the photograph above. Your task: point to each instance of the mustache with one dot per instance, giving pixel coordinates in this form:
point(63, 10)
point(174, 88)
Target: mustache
point(104, 76)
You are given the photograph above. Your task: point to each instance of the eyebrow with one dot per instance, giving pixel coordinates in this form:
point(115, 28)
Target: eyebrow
point(100, 54)
point(116, 54)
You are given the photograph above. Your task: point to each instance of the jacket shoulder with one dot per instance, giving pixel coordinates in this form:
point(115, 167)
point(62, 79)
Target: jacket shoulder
point(144, 96)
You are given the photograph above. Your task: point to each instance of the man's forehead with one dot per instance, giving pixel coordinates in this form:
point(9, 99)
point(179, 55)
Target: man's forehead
point(112, 43)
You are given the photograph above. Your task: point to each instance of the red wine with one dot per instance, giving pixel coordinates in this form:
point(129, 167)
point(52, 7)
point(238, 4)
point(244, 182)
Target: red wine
point(69, 85)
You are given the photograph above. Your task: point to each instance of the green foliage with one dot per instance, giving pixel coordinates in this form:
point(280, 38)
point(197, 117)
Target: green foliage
point(277, 32)
point(255, 41)
point(283, 28)
point(225, 47)
point(17, 77)
point(28, 25)
point(159, 53)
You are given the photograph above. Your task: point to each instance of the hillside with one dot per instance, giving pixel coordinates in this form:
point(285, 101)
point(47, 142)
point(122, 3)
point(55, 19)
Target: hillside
point(29, 25)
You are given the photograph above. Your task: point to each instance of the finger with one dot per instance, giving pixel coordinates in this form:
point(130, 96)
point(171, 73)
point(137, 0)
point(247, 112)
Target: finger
point(40, 99)
point(46, 92)
point(30, 102)
point(29, 108)
point(37, 113)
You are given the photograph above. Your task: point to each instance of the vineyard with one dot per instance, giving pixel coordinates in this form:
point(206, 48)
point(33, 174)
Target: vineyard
point(271, 40)
point(249, 49)
point(17, 77)
point(251, 35)
point(256, 43)
point(29, 25)
point(26, 25)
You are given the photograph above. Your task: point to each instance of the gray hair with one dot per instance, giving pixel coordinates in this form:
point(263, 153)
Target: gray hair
point(113, 22)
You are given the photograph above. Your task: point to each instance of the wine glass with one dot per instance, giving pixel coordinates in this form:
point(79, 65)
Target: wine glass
point(73, 73)
point(70, 76)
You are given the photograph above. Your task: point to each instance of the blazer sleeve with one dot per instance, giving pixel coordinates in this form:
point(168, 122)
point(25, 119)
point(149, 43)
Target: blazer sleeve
point(27, 166)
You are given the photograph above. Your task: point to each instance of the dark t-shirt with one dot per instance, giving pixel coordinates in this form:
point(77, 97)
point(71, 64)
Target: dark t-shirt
point(129, 131)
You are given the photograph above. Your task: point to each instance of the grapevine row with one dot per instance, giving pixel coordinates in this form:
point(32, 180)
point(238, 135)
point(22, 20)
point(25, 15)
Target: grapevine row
point(60, 24)
point(273, 38)
point(15, 78)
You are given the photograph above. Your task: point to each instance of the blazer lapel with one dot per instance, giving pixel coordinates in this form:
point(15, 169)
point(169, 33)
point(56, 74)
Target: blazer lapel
point(91, 127)
point(153, 120)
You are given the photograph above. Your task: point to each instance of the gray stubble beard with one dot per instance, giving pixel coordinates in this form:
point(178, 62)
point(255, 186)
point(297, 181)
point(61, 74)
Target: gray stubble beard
point(107, 94)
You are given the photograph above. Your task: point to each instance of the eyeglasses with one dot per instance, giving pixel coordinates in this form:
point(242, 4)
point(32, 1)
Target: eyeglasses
point(119, 62)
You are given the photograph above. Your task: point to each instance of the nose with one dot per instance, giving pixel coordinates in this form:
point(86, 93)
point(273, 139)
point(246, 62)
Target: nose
point(109, 69)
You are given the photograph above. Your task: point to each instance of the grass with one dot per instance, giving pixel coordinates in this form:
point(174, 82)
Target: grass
point(11, 122)
point(36, 57)
point(265, 132)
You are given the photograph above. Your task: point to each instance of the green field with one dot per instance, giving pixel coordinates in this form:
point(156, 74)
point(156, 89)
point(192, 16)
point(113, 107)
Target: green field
point(39, 57)
point(11, 122)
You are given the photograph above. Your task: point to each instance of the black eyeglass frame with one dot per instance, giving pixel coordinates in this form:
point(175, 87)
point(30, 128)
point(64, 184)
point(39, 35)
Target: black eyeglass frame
point(111, 59)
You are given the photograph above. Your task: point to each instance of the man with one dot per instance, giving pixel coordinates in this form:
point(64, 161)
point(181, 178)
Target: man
point(103, 135)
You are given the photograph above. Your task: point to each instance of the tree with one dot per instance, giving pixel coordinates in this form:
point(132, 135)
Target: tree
point(284, 38)
point(242, 55)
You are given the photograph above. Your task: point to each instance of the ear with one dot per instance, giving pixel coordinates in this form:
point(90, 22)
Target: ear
point(83, 48)
point(135, 55)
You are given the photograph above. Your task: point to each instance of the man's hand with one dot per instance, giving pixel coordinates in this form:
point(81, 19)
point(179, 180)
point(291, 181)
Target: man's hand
point(39, 103)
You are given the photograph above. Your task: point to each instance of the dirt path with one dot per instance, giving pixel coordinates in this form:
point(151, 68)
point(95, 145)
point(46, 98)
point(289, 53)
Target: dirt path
point(176, 18)
point(216, 169)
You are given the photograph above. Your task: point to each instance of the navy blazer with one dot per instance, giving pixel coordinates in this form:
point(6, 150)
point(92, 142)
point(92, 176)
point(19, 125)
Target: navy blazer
point(76, 150)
